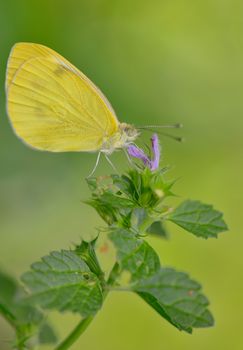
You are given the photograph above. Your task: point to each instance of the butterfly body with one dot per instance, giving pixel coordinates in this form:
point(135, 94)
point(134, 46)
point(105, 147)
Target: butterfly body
point(124, 136)
point(53, 106)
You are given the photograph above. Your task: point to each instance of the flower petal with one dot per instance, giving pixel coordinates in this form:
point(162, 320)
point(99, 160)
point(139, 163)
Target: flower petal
point(156, 152)
point(136, 152)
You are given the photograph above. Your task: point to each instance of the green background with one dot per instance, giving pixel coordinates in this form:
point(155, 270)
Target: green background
point(158, 62)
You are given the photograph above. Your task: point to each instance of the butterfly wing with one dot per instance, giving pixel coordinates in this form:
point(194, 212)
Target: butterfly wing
point(22, 52)
point(52, 105)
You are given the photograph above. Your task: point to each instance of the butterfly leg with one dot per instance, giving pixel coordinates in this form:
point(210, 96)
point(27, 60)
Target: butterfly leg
point(130, 161)
point(96, 164)
point(111, 164)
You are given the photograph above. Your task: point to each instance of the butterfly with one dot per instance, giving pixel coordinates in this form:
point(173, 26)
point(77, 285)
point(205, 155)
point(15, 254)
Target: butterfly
point(53, 106)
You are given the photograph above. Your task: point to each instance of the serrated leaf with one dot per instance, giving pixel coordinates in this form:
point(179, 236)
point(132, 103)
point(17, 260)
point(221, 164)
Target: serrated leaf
point(12, 306)
point(21, 316)
point(179, 298)
point(116, 201)
point(134, 254)
point(125, 184)
point(158, 229)
point(140, 220)
point(64, 282)
point(200, 219)
point(153, 302)
point(8, 287)
point(145, 188)
point(106, 212)
point(138, 216)
point(46, 334)
point(86, 251)
point(8, 293)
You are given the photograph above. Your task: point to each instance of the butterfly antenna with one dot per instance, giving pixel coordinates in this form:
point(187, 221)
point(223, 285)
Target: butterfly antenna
point(176, 138)
point(170, 126)
point(96, 164)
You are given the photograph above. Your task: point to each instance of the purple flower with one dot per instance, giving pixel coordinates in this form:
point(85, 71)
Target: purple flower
point(156, 152)
point(137, 152)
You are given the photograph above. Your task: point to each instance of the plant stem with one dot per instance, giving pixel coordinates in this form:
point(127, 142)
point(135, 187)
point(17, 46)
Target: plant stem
point(75, 334)
point(9, 317)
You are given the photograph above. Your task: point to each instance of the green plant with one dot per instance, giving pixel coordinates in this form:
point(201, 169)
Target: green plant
point(133, 206)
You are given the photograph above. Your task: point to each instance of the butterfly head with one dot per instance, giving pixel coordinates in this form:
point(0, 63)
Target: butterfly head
point(122, 138)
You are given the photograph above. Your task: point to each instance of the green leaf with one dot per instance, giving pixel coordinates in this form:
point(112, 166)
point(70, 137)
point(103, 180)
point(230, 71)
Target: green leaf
point(200, 219)
point(134, 254)
point(138, 217)
point(46, 334)
point(125, 185)
point(145, 189)
point(92, 183)
point(116, 201)
point(12, 307)
point(177, 298)
point(110, 203)
point(64, 282)
point(24, 318)
point(86, 251)
point(8, 293)
point(158, 229)
point(8, 287)
point(106, 212)
point(140, 220)
point(153, 302)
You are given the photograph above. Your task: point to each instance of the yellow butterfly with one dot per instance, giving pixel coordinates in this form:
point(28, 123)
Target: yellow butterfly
point(53, 106)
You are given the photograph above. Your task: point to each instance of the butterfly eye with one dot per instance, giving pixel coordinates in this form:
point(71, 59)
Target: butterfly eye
point(86, 276)
point(127, 131)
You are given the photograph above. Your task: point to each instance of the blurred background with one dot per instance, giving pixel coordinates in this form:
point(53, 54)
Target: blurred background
point(157, 62)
